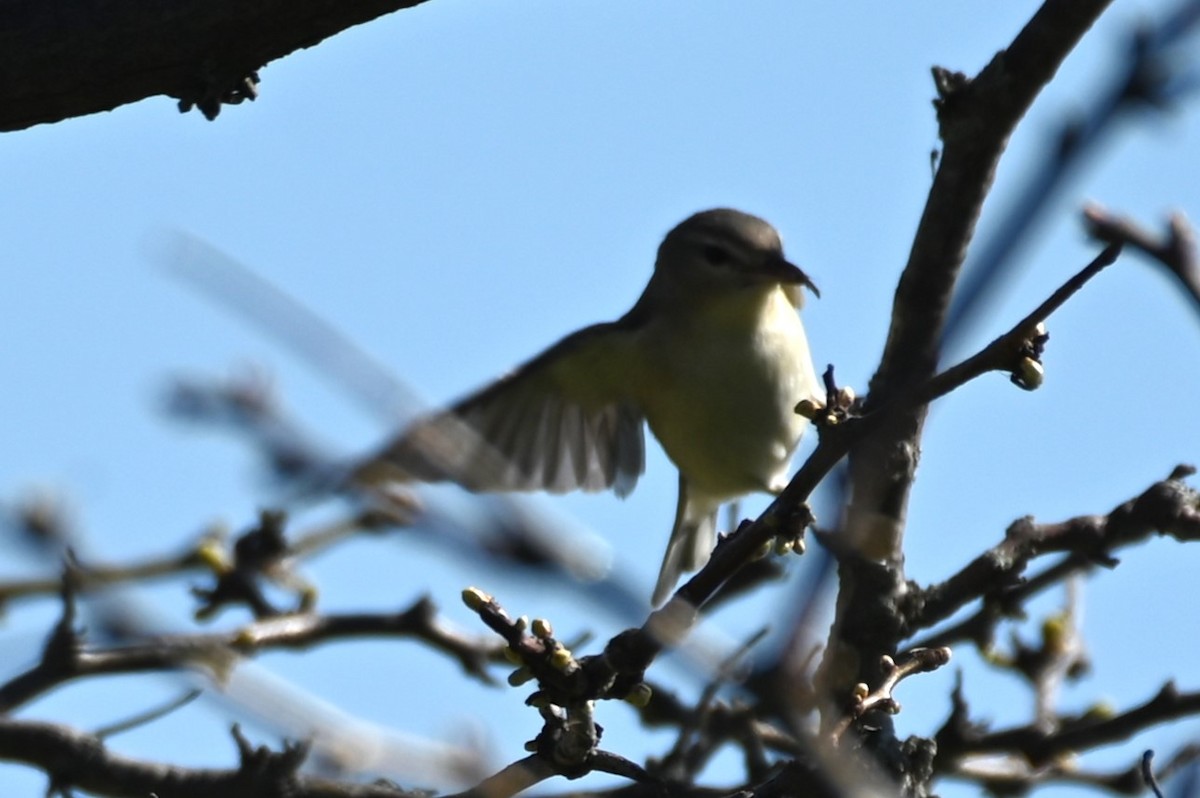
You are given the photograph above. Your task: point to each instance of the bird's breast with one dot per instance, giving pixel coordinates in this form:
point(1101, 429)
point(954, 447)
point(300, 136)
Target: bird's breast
point(720, 394)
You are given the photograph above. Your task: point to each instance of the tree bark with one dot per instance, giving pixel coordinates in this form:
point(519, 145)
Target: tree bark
point(66, 58)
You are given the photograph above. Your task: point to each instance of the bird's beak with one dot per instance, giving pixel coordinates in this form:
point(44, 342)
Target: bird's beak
point(787, 272)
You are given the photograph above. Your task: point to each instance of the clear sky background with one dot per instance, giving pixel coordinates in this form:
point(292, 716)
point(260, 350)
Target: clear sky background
point(456, 186)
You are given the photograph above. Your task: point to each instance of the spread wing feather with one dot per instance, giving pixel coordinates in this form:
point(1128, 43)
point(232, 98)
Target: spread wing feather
point(561, 422)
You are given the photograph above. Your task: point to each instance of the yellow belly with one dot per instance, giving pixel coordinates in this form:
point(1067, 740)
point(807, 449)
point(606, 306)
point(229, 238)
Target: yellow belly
point(722, 396)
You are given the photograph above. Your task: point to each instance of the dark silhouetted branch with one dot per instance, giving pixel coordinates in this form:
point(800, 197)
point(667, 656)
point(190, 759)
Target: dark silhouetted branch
point(76, 57)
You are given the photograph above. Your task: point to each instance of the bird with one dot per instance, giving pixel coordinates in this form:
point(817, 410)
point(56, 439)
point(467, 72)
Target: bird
point(712, 357)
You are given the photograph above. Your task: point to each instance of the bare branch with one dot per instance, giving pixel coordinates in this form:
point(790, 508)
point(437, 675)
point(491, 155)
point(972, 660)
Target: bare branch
point(1005, 353)
point(93, 575)
point(216, 653)
point(895, 670)
point(75, 759)
point(976, 118)
point(1168, 507)
point(1013, 775)
point(1072, 733)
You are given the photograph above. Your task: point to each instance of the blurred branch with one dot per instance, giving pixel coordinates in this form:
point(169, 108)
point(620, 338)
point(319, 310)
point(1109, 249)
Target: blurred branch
point(74, 759)
point(711, 722)
point(100, 576)
point(236, 287)
point(1014, 775)
point(1158, 70)
point(1175, 249)
point(29, 519)
point(65, 657)
point(248, 405)
point(510, 780)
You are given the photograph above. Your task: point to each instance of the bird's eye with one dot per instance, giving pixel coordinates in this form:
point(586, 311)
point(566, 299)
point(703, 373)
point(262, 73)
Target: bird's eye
point(717, 256)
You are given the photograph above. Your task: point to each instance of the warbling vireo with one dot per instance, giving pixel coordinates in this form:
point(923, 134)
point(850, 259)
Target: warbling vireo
point(712, 356)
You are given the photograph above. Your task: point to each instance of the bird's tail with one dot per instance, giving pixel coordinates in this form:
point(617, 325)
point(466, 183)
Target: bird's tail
point(692, 540)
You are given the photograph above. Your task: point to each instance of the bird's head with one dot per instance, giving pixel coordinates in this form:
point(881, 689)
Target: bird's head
point(722, 250)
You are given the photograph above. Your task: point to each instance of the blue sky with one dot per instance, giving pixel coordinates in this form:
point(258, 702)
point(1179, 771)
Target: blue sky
point(456, 186)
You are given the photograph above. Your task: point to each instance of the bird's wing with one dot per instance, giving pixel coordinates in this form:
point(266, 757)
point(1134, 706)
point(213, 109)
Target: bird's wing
point(563, 421)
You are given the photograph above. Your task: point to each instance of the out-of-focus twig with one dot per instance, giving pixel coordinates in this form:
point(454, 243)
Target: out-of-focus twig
point(67, 658)
point(1175, 249)
point(74, 759)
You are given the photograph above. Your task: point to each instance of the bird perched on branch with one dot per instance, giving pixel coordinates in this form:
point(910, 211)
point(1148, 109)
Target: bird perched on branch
point(712, 356)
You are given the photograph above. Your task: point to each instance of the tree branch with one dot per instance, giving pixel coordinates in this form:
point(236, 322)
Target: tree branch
point(1015, 776)
point(1168, 507)
point(976, 117)
point(66, 660)
point(80, 760)
point(1070, 733)
point(75, 57)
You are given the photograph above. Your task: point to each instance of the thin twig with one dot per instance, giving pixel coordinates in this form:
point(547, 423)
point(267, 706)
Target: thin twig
point(144, 718)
